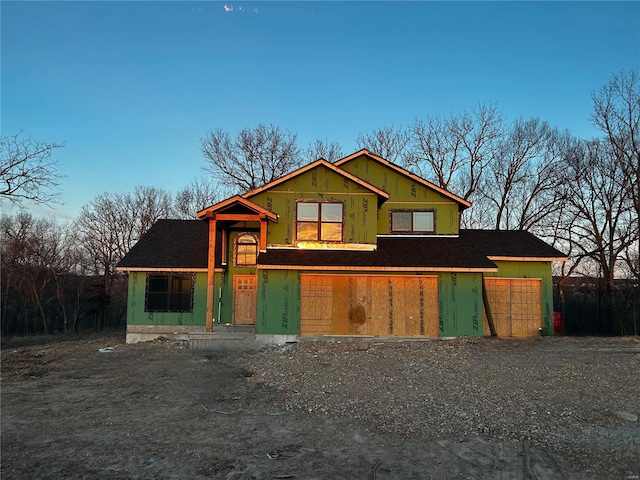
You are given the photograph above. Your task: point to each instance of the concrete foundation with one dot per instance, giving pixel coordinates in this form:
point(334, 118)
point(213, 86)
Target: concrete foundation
point(146, 333)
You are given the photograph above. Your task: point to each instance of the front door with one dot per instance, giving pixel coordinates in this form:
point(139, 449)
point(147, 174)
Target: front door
point(245, 295)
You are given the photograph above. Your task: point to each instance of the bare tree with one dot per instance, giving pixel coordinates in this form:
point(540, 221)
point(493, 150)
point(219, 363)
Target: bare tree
point(197, 195)
point(616, 112)
point(33, 262)
point(393, 144)
point(598, 197)
point(522, 183)
point(28, 170)
point(455, 150)
point(110, 225)
point(330, 151)
point(256, 156)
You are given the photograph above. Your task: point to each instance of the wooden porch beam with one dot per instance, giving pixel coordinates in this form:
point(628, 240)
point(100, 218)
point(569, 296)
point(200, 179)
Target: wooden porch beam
point(238, 217)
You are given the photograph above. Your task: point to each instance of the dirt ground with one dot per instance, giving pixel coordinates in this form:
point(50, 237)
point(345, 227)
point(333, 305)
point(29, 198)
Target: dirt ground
point(547, 408)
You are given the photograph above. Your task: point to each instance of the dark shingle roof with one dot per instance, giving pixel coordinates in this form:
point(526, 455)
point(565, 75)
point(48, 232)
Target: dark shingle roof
point(510, 243)
point(184, 244)
point(170, 244)
point(470, 249)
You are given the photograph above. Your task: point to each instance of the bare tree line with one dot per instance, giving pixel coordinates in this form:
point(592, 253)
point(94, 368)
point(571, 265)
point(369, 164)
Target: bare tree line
point(581, 195)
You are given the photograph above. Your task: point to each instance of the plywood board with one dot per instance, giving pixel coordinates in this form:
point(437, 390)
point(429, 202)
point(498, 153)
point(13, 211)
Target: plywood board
point(405, 306)
point(429, 305)
point(379, 323)
point(340, 288)
point(315, 306)
point(516, 306)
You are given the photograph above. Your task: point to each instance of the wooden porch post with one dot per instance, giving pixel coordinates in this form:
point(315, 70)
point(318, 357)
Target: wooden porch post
point(211, 272)
point(263, 233)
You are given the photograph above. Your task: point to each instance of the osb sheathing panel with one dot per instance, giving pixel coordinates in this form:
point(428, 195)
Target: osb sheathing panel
point(540, 270)
point(516, 306)
point(323, 184)
point(369, 305)
point(404, 193)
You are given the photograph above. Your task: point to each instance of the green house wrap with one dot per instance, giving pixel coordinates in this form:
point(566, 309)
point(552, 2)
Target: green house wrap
point(359, 248)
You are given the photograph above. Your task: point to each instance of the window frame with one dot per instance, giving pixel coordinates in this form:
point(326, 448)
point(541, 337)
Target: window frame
point(237, 243)
point(171, 295)
point(319, 222)
point(412, 230)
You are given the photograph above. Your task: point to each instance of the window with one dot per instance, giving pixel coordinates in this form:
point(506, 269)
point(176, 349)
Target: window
point(246, 250)
point(319, 221)
point(410, 221)
point(169, 293)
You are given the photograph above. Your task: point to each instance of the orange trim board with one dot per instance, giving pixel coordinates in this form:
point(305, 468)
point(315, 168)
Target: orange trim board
point(371, 275)
point(527, 259)
point(160, 269)
point(375, 269)
point(259, 210)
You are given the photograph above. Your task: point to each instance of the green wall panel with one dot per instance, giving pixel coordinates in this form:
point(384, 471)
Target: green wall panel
point(460, 296)
point(278, 302)
point(136, 314)
point(320, 183)
point(404, 193)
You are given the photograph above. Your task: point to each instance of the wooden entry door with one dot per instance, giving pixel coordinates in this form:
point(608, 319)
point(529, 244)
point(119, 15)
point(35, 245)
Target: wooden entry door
point(245, 296)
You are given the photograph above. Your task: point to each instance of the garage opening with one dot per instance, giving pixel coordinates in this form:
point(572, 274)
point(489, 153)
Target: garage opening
point(400, 306)
point(516, 306)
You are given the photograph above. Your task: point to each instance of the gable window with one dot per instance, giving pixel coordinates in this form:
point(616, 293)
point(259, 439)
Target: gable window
point(169, 293)
point(413, 221)
point(246, 250)
point(319, 221)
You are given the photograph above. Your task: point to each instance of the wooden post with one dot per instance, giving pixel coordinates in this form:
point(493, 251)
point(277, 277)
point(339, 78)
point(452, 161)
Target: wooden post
point(487, 308)
point(211, 272)
point(263, 233)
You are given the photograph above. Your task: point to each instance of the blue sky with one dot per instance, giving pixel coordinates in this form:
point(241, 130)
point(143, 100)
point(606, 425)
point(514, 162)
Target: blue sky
point(131, 87)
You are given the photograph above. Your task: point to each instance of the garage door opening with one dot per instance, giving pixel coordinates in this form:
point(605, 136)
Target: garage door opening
point(383, 306)
point(516, 306)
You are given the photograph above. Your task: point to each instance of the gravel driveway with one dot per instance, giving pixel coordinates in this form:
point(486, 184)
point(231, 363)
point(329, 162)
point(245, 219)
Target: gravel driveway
point(545, 408)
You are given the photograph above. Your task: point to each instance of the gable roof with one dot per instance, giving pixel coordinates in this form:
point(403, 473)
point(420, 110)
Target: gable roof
point(311, 166)
point(170, 245)
point(461, 201)
point(238, 205)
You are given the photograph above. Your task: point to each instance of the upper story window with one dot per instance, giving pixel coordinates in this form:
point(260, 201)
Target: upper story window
point(413, 221)
point(169, 293)
point(319, 221)
point(246, 250)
